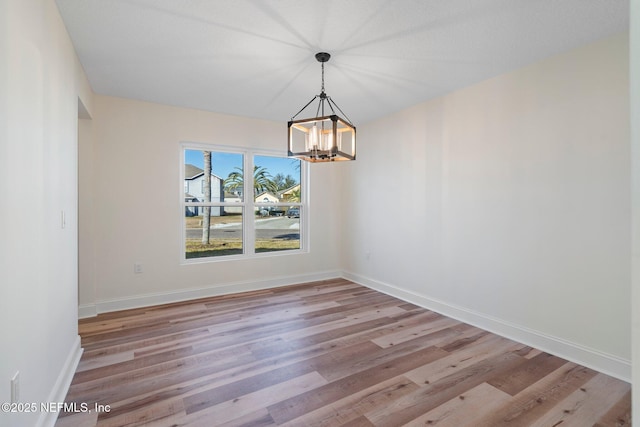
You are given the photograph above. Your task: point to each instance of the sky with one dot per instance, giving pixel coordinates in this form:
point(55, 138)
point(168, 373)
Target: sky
point(224, 163)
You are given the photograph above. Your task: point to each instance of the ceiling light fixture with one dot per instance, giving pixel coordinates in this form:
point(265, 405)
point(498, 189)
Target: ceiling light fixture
point(324, 138)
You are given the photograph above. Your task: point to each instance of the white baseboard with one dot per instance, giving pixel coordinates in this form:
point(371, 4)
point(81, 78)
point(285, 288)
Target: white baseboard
point(60, 388)
point(591, 358)
point(87, 310)
point(137, 301)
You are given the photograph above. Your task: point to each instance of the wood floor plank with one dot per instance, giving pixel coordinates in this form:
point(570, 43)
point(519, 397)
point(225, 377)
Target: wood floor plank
point(435, 325)
point(179, 385)
point(259, 418)
point(535, 401)
point(619, 415)
point(299, 405)
point(358, 422)
point(221, 394)
point(485, 347)
point(152, 413)
point(327, 353)
point(536, 368)
point(340, 368)
point(481, 400)
point(342, 333)
point(337, 339)
point(582, 406)
point(116, 387)
point(412, 406)
point(344, 321)
point(355, 405)
point(245, 405)
point(142, 345)
point(107, 360)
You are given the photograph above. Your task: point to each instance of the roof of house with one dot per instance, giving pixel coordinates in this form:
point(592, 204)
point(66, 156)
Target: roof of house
point(264, 193)
point(290, 189)
point(191, 172)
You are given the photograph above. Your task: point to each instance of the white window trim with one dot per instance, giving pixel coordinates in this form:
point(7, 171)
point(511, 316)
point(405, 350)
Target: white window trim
point(248, 205)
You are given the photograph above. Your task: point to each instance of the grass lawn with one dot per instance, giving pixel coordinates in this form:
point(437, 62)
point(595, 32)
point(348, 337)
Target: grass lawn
point(196, 221)
point(220, 247)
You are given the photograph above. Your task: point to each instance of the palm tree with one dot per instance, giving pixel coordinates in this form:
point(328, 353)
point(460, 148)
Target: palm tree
point(262, 180)
point(284, 182)
point(295, 195)
point(206, 212)
point(278, 180)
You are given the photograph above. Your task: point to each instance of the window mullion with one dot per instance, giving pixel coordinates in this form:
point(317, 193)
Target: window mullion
point(304, 206)
point(249, 232)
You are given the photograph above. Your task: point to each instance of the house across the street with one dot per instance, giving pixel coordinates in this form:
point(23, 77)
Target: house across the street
point(194, 190)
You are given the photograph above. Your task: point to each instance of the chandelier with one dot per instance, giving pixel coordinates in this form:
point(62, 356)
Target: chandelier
point(326, 137)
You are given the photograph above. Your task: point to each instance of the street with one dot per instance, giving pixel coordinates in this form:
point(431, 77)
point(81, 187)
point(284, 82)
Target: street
point(267, 228)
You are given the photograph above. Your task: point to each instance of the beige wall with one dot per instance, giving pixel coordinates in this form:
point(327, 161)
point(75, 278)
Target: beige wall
point(87, 242)
point(41, 83)
point(131, 197)
point(635, 187)
point(516, 213)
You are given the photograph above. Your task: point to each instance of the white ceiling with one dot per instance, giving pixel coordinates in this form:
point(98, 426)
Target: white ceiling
point(255, 58)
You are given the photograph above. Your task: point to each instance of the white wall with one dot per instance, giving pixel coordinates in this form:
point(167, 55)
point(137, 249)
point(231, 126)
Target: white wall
point(138, 142)
point(635, 188)
point(510, 205)
point(87, 242)
point(40, 82)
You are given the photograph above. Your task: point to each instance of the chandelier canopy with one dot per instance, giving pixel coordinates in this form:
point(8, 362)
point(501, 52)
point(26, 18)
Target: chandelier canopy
point(326, 137)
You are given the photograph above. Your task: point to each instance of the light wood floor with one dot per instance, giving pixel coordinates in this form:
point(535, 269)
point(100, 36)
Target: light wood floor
point(329, 353)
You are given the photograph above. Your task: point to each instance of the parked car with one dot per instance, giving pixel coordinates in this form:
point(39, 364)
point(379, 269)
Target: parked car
point(293, 213)
point(270, 211)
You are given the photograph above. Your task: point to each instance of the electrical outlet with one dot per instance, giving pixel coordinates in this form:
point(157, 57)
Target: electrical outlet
point(15, 388)
point(137, 268)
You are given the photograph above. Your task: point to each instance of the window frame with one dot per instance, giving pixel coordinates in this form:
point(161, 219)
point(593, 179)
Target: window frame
point(248, 204)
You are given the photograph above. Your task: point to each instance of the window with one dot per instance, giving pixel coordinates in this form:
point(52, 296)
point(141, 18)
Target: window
point(228, 215)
